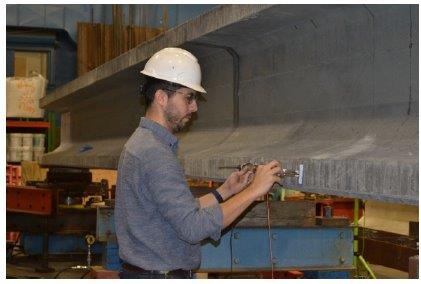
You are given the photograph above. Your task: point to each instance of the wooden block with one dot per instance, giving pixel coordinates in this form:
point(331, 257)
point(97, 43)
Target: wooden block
point(413, 268)
point(332, 222)
point(286, 213)
point(98, 272)
point(201, 275)
point(413, 229)
point(142, 35)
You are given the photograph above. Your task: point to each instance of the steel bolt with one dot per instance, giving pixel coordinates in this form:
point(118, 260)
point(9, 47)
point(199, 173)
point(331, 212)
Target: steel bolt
point(236, 236)
point(342, 260)
point(274, 236)
point(274, 259)
point(341, 235)
point(236, 260)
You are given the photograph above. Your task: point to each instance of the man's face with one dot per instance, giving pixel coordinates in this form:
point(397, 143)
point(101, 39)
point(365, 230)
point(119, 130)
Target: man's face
point(180, 107)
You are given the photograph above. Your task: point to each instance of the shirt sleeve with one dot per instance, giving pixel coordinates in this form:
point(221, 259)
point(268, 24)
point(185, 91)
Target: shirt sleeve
point(168, 188)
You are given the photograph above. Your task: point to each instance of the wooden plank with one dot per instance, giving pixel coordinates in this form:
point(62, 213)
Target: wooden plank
point(142, 35)
point(286, 213)
point(107, 42)
point(99, 43)
point(413, 267)
point(90, 47)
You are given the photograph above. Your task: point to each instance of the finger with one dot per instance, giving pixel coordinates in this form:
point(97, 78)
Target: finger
point(259, 168)
point(243, 171)
point(276, 170)
point(277, 179)
point(246, 178)
point(250, 177)
point(273, 164)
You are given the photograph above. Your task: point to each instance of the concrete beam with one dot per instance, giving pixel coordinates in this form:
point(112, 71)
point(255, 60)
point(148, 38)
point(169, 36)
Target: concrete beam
point(332, 87)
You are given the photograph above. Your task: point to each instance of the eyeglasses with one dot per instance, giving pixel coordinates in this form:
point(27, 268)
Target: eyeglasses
point(190, 97)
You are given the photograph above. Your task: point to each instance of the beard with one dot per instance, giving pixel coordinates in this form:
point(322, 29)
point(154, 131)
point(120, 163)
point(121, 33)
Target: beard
point(175, 119)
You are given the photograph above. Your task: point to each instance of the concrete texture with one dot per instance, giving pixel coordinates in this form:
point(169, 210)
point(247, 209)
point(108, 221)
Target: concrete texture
point(332, 87)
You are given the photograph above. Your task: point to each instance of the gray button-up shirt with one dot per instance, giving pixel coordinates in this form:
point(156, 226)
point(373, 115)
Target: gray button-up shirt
point(159, 223)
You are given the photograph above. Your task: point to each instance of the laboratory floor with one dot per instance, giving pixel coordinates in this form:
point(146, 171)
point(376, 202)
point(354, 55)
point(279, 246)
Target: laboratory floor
point(25, 267)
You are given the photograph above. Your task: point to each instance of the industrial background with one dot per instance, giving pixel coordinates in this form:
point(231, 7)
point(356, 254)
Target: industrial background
point(331, 91)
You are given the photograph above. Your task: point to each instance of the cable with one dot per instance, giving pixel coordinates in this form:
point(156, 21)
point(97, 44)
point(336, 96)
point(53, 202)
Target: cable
point(86, 273)
point(61, 271)
point(363, 246)
point(269, 234)
point(72, 268)
point(231, 233)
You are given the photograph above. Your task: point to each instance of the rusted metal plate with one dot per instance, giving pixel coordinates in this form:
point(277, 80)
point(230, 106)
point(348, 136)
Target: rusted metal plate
point(387, 249)
point(39, 201)
point(70, 221)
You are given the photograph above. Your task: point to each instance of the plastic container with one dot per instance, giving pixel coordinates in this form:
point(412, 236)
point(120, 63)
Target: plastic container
point(15, 140)
point(27, 153)
point(38, 152)
point(39, 140)
point(15, 154)
point(27, 139)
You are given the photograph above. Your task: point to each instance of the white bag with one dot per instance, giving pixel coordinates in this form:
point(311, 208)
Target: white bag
point(23, 95)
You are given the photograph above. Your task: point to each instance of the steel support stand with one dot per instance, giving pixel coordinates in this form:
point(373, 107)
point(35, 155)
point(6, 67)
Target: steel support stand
point(357, 255)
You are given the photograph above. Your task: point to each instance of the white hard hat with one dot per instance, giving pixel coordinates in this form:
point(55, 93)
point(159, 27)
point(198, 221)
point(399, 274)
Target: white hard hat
point(175, 65)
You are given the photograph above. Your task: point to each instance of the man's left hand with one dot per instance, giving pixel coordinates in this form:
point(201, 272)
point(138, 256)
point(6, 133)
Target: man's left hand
point(236, 182)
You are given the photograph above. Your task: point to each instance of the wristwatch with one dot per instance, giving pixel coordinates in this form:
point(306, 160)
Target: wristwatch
point(217, 196)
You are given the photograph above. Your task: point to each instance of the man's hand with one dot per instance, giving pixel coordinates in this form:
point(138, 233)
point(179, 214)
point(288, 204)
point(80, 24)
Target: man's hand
point(265, 177)
point(236, 182)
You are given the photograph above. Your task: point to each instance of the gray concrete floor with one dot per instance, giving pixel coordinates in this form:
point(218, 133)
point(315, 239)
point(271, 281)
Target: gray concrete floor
point(24, 267)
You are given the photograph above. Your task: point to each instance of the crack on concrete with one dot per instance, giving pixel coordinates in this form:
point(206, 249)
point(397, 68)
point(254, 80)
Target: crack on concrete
point(410, 60)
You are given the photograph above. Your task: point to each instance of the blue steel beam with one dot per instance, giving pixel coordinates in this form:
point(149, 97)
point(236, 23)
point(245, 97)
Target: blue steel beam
point(304, 248)
point(248, 248)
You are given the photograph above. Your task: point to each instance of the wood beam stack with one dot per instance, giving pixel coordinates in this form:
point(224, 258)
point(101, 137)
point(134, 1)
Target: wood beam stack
point(99, 43)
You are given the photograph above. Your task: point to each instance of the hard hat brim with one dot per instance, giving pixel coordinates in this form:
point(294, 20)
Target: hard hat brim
point(197, 88)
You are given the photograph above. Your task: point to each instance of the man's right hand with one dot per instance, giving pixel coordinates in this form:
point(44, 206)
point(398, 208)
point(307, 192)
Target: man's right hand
point(264, 178)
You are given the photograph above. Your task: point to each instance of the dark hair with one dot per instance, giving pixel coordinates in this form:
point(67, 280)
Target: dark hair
point(151, 85)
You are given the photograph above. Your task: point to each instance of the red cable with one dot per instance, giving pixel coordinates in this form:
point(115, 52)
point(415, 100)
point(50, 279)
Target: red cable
point(269, 233)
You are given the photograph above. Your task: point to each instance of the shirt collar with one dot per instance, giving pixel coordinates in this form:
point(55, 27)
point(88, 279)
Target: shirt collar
point(160, 131)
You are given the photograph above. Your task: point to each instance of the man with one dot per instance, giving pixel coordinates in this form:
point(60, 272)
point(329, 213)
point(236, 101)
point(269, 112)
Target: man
point(159, 223)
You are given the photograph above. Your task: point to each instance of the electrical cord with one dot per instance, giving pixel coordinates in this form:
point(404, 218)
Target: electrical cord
point(363, 245)
point(72, 268)
point(84, 275)
point(269, 235)
point(231, 235)
point(22, 277)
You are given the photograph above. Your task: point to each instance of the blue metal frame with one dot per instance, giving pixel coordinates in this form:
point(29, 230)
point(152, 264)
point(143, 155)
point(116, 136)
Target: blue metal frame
point(301, 248)
point(58, 244)
point(316, 249)
point(248, 248)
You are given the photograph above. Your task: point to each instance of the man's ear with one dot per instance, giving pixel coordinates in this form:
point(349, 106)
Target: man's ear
point(161, 97)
